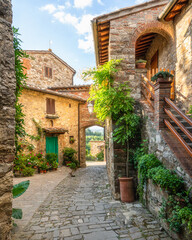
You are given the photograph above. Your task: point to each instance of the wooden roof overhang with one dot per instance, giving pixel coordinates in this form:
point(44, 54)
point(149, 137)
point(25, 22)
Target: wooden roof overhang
point(55, 130)
point(142, 45)
point(172, 9)
point(102, 34)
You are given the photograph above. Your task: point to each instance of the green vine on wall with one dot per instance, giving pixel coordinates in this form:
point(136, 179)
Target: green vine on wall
point(39, 131)
point(20, 83)
point(113, 100)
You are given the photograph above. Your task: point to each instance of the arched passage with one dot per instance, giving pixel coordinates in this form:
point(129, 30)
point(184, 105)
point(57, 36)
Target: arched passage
point(83, 141)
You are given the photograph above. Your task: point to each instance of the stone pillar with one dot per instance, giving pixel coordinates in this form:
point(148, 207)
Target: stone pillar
point(7, 116)
point(162, 90)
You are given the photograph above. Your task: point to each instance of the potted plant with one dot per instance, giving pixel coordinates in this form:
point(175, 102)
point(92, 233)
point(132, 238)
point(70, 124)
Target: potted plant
point(162, 76)
point(71, 140)
point(55, 166)
point(141, 64)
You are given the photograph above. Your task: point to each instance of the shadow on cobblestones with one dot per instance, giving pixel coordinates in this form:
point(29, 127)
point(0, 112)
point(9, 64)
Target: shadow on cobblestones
point(82, 208)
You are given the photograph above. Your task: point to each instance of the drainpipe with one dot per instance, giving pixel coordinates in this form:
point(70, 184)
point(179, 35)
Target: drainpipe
point(95, 38)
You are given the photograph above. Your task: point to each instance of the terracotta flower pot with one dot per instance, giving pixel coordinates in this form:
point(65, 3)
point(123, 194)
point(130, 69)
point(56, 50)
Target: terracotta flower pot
point(140, 65)
point(41, 171)
point(126, 189)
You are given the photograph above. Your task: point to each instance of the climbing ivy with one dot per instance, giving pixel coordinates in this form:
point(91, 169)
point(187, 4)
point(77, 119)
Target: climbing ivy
point(20, 83)
point(113, 100)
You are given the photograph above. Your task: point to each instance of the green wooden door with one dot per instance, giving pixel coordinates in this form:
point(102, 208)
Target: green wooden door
point(52, 145)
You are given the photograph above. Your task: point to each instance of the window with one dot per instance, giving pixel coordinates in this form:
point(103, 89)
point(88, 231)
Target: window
point(48, 72)
point(50, 106)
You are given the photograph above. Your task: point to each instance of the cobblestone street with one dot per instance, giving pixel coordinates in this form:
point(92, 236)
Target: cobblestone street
point(81, 207)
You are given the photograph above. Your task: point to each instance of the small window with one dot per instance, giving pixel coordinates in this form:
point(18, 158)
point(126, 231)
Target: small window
point(48, 72)
point(50, 105)
point(69, 105)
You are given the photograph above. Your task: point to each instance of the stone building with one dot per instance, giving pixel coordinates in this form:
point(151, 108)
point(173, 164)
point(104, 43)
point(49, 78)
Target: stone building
point(96, 147)
point(7, 117)
point(60, 108)
point(160, 32)
point(45, 69)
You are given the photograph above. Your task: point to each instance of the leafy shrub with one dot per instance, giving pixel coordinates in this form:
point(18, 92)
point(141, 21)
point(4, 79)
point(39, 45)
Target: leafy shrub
point(51, 159)
point(146, 162)
point(72, 165)
point(28, 171)
point(141, 61)
point(69, 155)
point(166, 180)
point(100, 156)
point(89, 157)
point(161, 74)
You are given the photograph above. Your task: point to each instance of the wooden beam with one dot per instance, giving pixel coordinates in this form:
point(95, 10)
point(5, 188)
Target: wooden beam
point(105, 38)
point(143, 47)
point(103, 27)
point(103, 43)
point(148, 37)
point(103, 33)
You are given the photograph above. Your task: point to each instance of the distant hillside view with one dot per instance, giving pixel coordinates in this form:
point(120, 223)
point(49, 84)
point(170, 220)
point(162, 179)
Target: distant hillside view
point(93, 134)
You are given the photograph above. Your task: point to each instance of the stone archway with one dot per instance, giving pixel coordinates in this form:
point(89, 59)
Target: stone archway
point(83, 141)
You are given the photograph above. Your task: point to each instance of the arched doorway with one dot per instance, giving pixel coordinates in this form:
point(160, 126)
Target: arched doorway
point(95, 144)
point(157, 48)
point(93, 125)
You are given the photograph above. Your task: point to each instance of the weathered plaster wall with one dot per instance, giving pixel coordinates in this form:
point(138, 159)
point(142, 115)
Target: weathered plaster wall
point(62, 75)
point(7, 117)
point(183, 35)
point(96, 147)
point(35, 107)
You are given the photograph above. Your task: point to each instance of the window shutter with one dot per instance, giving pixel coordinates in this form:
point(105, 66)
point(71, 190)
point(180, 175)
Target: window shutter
point(46, 71)
point(50, 106)
point(50, 72)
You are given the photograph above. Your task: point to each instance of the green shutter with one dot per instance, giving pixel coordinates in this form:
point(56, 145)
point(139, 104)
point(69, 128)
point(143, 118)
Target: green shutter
point(52, 145)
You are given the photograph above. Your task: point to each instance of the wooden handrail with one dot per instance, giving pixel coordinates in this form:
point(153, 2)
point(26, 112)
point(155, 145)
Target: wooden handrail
point(148, 81)
point(171, 104)
point(179, 124)
point(148, 90)
point(181, 140)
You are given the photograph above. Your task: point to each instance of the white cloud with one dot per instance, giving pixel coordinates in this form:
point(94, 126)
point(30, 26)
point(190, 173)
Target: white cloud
point(50, 8)
point(100, 2)
point(82, 3)
point(81, 24)
point(61, 7)
point(86, 44)
point(84, 25)
point(65, 18)
point(140, 1)
point(68, 4)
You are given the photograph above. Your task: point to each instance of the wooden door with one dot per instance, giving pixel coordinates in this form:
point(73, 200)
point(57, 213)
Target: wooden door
point(52, 145)
point(154, 64)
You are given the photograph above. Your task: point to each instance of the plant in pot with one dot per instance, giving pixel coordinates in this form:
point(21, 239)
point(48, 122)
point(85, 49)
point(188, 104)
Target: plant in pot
point(141, 64)
point(162, 75)
point(113, 101)
point(69, 155)
point(71, 139)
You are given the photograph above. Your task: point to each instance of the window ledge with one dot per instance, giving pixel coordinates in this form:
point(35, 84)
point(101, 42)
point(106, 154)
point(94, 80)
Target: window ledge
point(51, 116)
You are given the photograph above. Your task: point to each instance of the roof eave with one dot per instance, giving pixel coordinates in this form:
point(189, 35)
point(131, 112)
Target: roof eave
point(95, 39)
point(167, 9)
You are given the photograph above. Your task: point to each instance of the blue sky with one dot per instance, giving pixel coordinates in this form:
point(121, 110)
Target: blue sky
point(65, 24)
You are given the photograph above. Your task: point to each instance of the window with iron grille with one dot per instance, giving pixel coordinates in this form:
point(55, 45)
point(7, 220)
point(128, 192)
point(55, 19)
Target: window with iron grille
point(48, 72)
point(50, 105)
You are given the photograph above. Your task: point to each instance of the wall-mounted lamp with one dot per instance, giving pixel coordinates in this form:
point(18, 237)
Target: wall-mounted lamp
point(90, 107)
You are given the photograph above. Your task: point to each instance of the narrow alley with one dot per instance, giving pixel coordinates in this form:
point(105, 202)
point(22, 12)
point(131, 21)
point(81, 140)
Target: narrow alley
point(81, 207)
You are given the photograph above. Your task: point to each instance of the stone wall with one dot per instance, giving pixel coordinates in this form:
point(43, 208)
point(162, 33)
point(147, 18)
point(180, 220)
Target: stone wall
point(124, 32)
point(34, 103)
point(158, 145)
point(96, 147)
point(153, 199)
point(7, 116)
point(62, 74)
point(166, 53)
point(183, 33)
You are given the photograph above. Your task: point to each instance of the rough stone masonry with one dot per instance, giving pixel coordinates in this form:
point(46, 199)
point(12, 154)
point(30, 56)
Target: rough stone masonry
point(7, 116)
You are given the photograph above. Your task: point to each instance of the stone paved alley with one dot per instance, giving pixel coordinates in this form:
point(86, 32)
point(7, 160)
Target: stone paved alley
point(81, 207)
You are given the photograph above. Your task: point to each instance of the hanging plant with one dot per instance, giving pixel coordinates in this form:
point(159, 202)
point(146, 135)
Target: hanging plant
point(161, 74)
